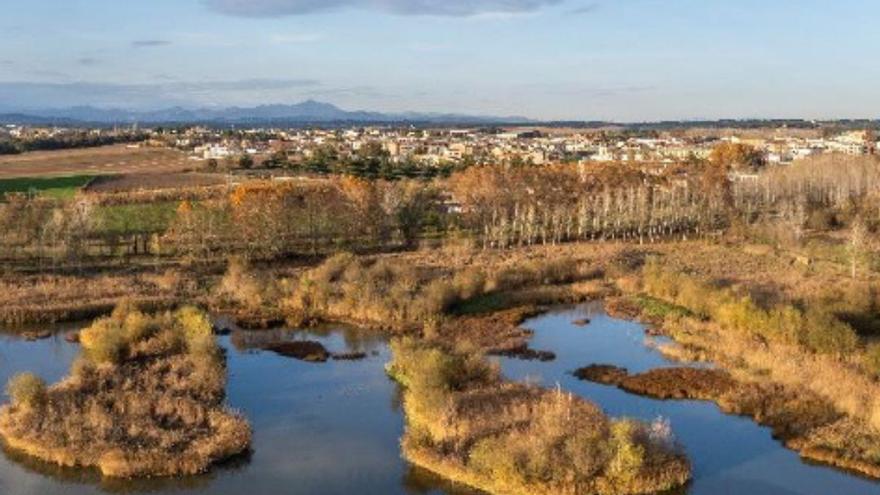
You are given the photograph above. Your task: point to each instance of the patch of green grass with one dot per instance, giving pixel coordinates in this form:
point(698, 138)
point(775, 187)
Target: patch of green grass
point(656, 308)
point(55, 187)
point(136, 218)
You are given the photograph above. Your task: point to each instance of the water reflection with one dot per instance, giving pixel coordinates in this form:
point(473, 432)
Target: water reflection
point(333, 428)
point(329, 428)
point(731, 455)
point(75, 476)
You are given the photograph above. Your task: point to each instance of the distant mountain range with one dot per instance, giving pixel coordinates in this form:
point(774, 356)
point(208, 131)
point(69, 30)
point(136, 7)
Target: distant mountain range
point(307, 112)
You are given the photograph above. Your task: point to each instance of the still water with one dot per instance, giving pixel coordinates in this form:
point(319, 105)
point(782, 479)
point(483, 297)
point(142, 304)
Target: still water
point(333, 428)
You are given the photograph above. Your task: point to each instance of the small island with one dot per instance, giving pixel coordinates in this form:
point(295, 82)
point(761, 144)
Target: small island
point(145, 399)
point(468, 424)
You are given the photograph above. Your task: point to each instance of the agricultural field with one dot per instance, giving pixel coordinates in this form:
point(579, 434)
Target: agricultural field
point(93, 161)
point(55, 187)
point(122, 183)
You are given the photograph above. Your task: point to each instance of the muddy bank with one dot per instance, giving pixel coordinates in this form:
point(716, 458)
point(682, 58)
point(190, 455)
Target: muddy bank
point(664, 383)
point(258, 321)
point(349, 356)
point(524, 352)
point(495, 333)
point(304, 350)
point(605, 374)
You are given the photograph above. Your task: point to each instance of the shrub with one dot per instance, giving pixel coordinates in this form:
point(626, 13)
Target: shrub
point(556, 271)
point(26, 390)
point(137, 326)
point(104, 341)
point(401, 295)
point(469, 283)
point(818, 329)
point(628, 456)
point(822, 219)
point(825, 334)
point(157, 410)
point(240, 286)
point(197, 331)
point(872, 358)
point(510, 278)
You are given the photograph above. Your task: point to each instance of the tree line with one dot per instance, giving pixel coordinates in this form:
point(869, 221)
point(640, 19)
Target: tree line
point(497, 206)
point(70, 140)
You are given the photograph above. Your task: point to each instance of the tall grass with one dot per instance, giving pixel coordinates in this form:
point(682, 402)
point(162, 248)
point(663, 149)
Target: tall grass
point(391, 293)
point(144, 399)
point(466, 423)
point(816, 329)
point(812, 349)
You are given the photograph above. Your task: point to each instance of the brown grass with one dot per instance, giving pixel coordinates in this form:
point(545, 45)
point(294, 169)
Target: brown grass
point(54, 298)
point(98, 161)
point(479, 304)
point(467, 424)
point(144, 399)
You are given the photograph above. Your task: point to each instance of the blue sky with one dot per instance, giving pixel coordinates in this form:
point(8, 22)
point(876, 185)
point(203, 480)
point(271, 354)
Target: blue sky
point(624, 60)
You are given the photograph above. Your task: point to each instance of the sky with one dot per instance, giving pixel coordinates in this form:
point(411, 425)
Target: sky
point(615, 60)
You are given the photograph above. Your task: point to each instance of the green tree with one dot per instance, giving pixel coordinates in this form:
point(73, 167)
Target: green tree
point(245, 161)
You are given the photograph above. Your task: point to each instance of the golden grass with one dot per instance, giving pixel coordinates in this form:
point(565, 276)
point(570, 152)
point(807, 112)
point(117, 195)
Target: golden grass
point(806, 371)
point(144, 399)
point(464, 422)
point(54, 298)
point(409, 293)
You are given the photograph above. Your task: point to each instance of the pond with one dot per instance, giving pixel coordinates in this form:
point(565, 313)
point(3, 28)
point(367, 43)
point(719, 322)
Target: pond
point(333, 428)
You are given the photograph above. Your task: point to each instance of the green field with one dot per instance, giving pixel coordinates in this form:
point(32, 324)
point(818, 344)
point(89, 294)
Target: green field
point(54, 187)
point(139, 218)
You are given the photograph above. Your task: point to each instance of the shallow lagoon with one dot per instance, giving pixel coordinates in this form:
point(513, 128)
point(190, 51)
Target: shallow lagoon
point(333, 428)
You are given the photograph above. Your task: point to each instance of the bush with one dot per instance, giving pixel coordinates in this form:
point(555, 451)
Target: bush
point(628, 456)
point(130, 333)
point(26, 390)
point(822, 220)
point(403, 296)
point(240, 286)
point(470, 283)
point(872, 358)
point(104, 341)
point(197, 331)
point(825, 334)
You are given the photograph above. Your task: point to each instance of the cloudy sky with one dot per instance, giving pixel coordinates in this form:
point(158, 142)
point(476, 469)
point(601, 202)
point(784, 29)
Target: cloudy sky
point(624, 60)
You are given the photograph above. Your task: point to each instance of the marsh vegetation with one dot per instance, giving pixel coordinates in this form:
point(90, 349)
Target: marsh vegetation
point(145, 398)
point(468, 424)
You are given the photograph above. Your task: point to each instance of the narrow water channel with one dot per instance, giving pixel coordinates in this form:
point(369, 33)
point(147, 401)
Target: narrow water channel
point(333, 428)
point(731, 454)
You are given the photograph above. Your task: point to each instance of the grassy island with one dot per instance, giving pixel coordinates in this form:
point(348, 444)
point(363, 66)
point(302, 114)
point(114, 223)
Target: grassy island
point(464, 422)
point(145, 398)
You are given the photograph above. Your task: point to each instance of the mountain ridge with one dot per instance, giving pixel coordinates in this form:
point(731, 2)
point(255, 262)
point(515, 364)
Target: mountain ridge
point(307, 111)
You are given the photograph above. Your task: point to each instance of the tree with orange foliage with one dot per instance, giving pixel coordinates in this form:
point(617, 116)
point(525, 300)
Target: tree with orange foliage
point(737, 156)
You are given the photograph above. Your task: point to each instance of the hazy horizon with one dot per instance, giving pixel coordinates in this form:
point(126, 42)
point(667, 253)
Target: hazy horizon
point(624, 61)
